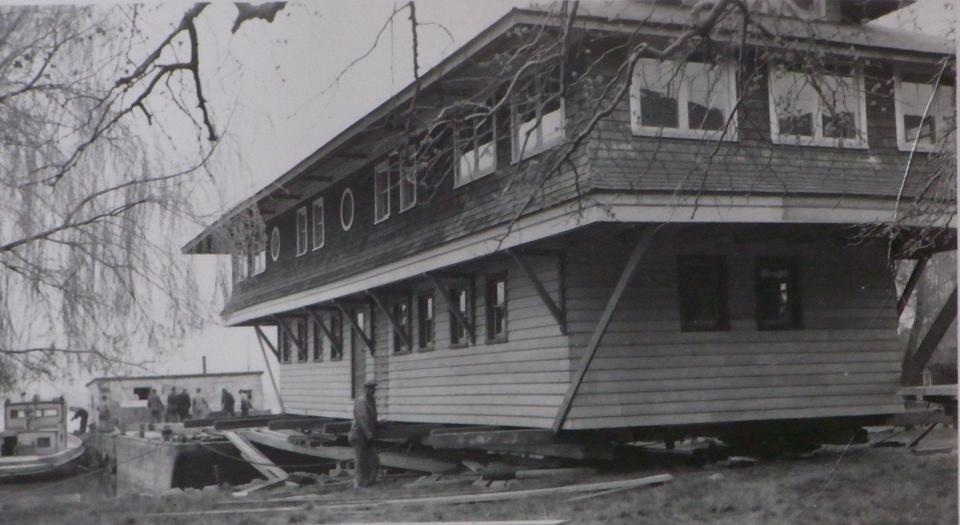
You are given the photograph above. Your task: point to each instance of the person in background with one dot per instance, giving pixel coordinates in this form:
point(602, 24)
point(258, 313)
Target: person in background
point(362, 431)
point(173, 401)
point(183, 405)
point(82, 415)
point(106, 422)
point(155, 406)
point(200, 407)
point(226, 403)
point(245, 405)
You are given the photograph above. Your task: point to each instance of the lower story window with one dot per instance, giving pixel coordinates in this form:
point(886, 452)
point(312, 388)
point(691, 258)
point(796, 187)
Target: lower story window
point(701, 283)
point(458, 332)
point(425, 319)
point(777, 294)
point(496, 301)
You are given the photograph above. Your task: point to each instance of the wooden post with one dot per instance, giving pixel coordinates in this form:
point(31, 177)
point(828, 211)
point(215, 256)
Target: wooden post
point(558, 314)
point(262, 338)
point(913, 362)
point(911, 283)
point(628, 271)
point(454, 309)
point(405, 337)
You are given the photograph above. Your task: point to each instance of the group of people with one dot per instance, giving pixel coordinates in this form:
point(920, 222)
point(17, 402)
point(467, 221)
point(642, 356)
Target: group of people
point(181, 407)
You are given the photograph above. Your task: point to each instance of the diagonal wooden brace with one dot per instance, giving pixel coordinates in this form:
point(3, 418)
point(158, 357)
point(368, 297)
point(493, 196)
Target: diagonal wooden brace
point(913, 362)
point(301, 345)
point(558, 313)
point(454, 309)
point(263, 339)
point(335, 341)
point(397, 329)
point(911, 284)
point(356, 328)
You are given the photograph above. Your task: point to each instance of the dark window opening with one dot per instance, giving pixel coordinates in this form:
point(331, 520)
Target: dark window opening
point(778, 299)
point(284, 346)
point(142, 392)
point(496, 302)
point(458, 332)
point(401, 316)
point(702, 285)
point(336, 328)
point(43, 442)
point(317, 341)
point(425, 319)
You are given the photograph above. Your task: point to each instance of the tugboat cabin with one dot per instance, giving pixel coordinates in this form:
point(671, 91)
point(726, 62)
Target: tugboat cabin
point(34, 428)
point(690, 255)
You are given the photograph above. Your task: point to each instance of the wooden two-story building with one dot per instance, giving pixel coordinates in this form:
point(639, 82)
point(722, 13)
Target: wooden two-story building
point(558, 227)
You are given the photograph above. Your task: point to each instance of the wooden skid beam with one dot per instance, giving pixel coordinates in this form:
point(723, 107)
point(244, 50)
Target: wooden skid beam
point(335, 341)
point(914, 362)
point(453, 309)
point(643, 244)
point(245, 422)
point(264, 340)
point(298, 423)
point(582, 451)
point(494, 438)
point(559, 315)
point(404, 336)
point(356, 328)
point(256, 458)
point(301, 347)
point(915, 275)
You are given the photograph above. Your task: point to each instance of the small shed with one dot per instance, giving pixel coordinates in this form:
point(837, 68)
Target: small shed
point(125, 397)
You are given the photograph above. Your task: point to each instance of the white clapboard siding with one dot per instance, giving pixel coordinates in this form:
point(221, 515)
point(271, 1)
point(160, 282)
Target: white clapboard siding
point(647, 371)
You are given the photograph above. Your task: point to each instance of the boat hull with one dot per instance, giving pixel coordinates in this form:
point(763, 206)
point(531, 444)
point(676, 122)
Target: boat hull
point(27, 468)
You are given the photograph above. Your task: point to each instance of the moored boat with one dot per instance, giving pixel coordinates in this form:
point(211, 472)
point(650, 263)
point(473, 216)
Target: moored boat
point(36, 443)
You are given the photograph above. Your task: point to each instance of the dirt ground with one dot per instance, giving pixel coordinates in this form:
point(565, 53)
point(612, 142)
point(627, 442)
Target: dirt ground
point(836, 484)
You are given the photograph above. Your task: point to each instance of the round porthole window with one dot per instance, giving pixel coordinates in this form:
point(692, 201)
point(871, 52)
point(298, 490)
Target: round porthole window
point(275, 243)
point(346, 209)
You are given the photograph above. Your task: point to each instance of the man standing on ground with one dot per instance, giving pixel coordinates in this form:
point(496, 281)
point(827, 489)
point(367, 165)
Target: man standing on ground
point(183, 407)
point(200, 407)
point(362, 431)
point(173, 401)
point(155, 406)
point(226, 403)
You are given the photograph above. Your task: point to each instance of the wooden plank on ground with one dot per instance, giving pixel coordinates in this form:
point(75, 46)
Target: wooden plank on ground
point(256, 458)
point(485, 497)
point(493, 438)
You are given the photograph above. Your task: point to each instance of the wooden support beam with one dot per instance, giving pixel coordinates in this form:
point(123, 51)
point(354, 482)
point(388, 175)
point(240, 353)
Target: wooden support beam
point(454, 309)
point(301, 346)
point(397, 329)
point(298, 423)
point(286, 196)
point(493, 438)
point(263, 338)
point(643, 244)
point(316, 178)
point(913, 362)
point(255, 458)
point(246, 422)
point(559, 315)
point(349, 155)
point(357, 328)
point(915, 275)
point(335, 340)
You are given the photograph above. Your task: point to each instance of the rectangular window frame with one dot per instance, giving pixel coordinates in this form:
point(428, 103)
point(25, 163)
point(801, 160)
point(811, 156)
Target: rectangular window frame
point(424, 329)
point(302, 231)
point(683, 131)
point(319, 225)
point(336, 328)
point(317, 349)
point(861, 141)
point(285, 345)
point(382, 181)
point(796, 310)
point(407, 181)
point(523, 147)
point(477, 149)
point(404, 322)
point(687, 262)
point(459, 336)
point(936, 113)
point(490, 306)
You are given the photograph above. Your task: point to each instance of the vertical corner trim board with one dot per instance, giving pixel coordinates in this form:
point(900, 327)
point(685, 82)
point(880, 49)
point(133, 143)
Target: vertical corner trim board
point(643, 244)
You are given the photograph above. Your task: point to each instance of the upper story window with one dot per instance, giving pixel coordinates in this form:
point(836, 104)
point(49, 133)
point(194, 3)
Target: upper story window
point(691, 100)
point(346, 209)
point(777, 294)
point(925, 115)
point(302, 231)
point(475, 145)
point(318, 226)
point(537, 111)
point(409, 170)
point(702, 286)
point(496, 302)
point(383, 174)
point(818, 109)
point(425, 318)
point(275, 243)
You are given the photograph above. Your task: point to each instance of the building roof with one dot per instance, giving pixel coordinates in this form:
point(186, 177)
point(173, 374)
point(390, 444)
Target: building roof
point(172, 376)
point(613, 15)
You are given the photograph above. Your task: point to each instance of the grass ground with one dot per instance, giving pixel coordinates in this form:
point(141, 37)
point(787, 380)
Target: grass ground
point(870, 486)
